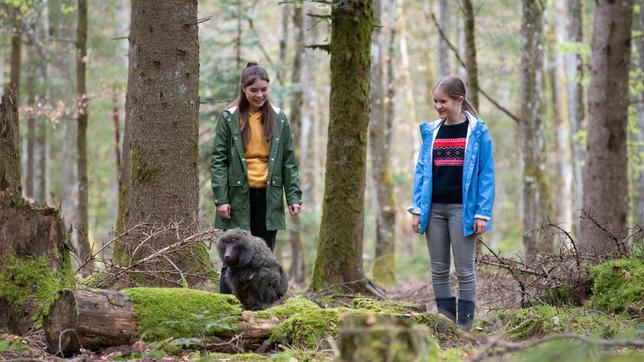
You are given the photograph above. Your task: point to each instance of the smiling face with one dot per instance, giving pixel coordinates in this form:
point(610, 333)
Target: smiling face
point(448, 108)
point(256, 93)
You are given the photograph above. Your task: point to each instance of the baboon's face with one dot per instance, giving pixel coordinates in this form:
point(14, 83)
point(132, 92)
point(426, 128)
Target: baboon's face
point(230, 250)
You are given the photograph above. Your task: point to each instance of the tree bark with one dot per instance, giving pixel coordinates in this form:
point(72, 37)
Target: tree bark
point(470, 54)
point(84, 248)
point(605, 176)
point(340, 244)
point(92, 319)
point(10, 180)
point(444, 58)
point(298, 268)
point(163, 105)
point(576, 103)
point(536, 194)
point(384, 265)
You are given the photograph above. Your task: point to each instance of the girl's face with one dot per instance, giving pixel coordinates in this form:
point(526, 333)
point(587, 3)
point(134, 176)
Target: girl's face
point(256, 93)
point(447, 107)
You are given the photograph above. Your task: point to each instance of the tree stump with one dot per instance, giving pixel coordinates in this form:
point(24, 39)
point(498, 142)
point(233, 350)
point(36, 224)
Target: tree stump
point(34, 263)
point(89, 319)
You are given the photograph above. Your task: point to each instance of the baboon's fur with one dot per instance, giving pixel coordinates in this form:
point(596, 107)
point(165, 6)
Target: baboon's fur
point(255, 276)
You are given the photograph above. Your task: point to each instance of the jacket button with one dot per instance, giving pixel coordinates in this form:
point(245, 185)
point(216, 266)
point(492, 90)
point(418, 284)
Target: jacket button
point(238, 182)
point(277, 139)
point(272, 159)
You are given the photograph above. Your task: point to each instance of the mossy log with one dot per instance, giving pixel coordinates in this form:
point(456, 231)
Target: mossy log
point(34, 263)
point(95, 318)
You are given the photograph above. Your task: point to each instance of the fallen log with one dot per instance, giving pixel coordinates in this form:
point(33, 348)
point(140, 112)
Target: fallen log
point(94, 318)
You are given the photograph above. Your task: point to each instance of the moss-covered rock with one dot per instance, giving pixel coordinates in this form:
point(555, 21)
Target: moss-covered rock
point(618, 286)
point(544, 319)
point(568, 350)
point(182, 313)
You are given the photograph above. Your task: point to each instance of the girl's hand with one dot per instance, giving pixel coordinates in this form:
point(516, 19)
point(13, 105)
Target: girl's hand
point(224, 211)
point(294, 209)
point(415, 223)
point(479, 227)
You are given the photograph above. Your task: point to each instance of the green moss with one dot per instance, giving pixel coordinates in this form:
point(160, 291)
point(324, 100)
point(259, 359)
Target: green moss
point(302, 356)
point(618, 286)
point(308, 328)
point(388, 306)
point(292, 306)
point(31, 280)
point(560, 296)
point(544, 319)
point(568, 350)
point(143, 173)
point(181, 313)
point(13, 346)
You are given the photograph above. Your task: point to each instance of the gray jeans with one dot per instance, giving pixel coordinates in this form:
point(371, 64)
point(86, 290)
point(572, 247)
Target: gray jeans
point(446, 228)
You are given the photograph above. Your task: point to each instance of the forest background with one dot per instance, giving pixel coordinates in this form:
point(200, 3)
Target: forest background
point(231, 32)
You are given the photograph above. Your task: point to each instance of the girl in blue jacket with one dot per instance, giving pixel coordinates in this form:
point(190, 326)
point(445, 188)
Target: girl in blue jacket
point(453, 195)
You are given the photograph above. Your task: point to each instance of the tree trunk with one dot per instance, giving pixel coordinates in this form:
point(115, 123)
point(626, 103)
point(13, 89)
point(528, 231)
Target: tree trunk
point(30, 88)
point(536, 194)
point(470, 54)
point(163, 105)
point(16, 55)
point(95, 318)
point(89, 318)
point(576, 103)
point(559, 101)
point(605, 176)
point(640, 122)
point(84, 248)
point(339, 256)
point(384, 265)
point(298, 269)
point(10, 181)
point(444, 57)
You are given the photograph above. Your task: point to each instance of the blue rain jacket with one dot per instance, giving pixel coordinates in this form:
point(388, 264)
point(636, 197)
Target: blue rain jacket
point(478, 175)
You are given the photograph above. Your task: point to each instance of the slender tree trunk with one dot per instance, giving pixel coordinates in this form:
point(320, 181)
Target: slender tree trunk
point(298, 268)
point(640, 122)
point(16, 57)
point(84, 248)
point(605, 174)
point(576, 103)
point(535, 181)
point(40, 186)
point(384, 266)
point(339, 257)
point(559, 101)
point(470, 53)
point(238, 39)
point(163, 106)
point(10, 183)
point(444, 56)
point(30, 88)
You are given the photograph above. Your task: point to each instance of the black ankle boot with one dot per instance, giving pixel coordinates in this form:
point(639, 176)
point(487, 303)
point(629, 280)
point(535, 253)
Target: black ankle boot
point(447, 307)
point(466, 313)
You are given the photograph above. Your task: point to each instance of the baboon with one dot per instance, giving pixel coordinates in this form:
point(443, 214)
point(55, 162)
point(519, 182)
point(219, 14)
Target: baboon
point(254, 274)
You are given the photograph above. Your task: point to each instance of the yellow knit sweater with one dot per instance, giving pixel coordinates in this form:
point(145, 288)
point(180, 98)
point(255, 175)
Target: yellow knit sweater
point(257, 151)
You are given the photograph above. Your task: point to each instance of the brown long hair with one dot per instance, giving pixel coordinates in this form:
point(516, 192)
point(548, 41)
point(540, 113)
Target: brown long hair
point(454, 87)
point(249, 75)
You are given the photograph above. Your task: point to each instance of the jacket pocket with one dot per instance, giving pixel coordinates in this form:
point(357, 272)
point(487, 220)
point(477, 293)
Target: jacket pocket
point(237, 192)
point(276, 181)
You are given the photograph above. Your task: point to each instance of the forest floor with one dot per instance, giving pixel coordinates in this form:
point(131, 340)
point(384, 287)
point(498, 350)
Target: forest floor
point(496, 295)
